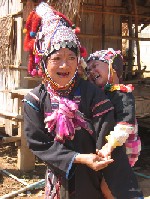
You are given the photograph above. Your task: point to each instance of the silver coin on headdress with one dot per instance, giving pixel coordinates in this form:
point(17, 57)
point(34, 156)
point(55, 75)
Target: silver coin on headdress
point(69, 44)
point(57, 46)
point(63, 44)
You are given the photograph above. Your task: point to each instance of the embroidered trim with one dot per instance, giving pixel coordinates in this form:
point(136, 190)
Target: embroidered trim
point(100, 114)
point(32, 105)
point(100, 103)
point(126, 123)
point(70, 165)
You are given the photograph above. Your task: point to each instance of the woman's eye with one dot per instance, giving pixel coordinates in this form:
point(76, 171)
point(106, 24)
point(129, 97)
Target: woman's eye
point(56, 58)
point(72, 58)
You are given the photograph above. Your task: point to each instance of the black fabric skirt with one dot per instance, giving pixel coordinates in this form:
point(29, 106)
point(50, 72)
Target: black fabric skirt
point(120, 177)
point(83, 183)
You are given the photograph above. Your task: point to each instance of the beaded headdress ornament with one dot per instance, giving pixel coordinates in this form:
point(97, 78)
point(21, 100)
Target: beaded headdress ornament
point(47, 31)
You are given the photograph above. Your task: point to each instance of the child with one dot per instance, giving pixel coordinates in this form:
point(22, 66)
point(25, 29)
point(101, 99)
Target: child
point(105, 68)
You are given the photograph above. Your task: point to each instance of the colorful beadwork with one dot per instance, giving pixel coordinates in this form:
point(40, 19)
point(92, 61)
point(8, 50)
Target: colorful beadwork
point(119, 87)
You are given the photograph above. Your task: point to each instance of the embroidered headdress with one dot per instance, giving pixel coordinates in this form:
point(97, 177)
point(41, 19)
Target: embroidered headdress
point(110, 56)
point(47, 31)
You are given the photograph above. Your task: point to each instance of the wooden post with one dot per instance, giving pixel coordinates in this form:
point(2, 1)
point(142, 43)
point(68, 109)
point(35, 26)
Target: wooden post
point(130, 51)
point(26, 159)
point(103, 25)
point(137, 42)
point(8, 127)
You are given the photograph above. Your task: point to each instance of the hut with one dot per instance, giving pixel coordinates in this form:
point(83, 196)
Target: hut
point(118, 24)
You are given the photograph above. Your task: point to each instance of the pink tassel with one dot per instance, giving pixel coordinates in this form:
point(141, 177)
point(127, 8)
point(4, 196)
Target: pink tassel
point(65, 120)
point(34, 72)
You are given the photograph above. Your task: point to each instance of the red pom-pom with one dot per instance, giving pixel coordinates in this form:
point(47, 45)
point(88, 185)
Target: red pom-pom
point(77, 30)
point(34, 72)
point(83, 52)
point(40, 72)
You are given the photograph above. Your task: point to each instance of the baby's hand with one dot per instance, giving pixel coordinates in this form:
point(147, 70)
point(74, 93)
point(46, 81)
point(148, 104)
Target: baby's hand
point(105, 152)
point(102, 154)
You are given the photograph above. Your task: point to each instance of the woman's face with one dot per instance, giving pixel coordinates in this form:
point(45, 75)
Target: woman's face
point(62, 66)
point(97, 72)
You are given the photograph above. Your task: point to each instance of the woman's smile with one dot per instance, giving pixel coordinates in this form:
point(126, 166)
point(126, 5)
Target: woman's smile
point(63, 74)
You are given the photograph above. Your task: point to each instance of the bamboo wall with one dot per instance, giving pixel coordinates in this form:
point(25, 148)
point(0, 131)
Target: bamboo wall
point(9, 7)
point(11, 72)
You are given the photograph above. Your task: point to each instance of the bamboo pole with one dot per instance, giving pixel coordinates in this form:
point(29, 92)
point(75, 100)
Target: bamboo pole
point(130, 51)
point(35, 185)
point(142, 175)
point(14, 177)
point(96, 6)
point(13, 15)
point(137, 42)
point(128, 38)
point(116, 13)
point(92, 36)
point(34, 78)
point(13, 67)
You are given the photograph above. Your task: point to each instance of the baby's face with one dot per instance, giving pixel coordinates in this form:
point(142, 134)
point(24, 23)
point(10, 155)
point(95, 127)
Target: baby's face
point(97, 72)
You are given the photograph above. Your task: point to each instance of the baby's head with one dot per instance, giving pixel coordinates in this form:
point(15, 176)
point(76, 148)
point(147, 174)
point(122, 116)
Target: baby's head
point(105, 66)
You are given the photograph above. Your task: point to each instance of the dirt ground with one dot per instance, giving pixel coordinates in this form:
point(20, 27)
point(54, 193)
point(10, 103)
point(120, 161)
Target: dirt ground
point(8, 160)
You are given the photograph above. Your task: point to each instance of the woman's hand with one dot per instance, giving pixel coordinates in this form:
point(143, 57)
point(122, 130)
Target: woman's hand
point(93, 161)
